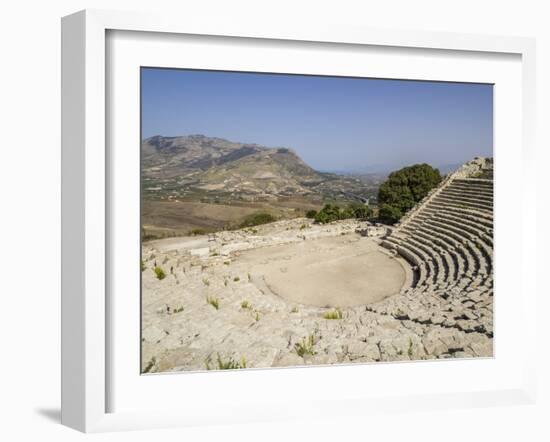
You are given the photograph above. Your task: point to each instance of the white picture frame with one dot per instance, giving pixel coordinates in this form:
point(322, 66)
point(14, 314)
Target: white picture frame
point(86, 315)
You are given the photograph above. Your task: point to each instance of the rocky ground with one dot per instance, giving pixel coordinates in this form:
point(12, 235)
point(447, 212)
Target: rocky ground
point(213, 309)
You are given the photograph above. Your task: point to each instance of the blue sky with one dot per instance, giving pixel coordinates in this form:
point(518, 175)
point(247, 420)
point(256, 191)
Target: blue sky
point(333, 123)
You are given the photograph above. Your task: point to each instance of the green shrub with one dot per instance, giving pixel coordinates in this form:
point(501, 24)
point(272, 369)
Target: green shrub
point(236, 279)
point(389, 214)
point(257, 219)
point(197, 231)
point(330, 213)
point(359, 210)
point(142, 265)
point(311, 214)
point(159, 272)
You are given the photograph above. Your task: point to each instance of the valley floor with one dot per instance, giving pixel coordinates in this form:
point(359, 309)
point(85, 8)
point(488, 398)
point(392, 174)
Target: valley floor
point(175, 218)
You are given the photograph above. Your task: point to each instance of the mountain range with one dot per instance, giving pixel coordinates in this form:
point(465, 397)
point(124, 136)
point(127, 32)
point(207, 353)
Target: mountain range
point(197, 164)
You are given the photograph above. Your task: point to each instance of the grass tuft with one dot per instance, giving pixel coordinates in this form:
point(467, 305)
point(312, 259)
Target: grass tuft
point(214, 302)
point(334, 314)
point(305, 347)
point(150, 365)
point(159, 273)
point(229, 364)
point(246, 305)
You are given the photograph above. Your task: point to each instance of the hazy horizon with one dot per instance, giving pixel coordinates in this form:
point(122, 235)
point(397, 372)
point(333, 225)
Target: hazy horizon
point(334, 123)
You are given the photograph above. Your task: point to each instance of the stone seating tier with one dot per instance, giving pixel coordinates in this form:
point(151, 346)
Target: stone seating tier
point(448, 241)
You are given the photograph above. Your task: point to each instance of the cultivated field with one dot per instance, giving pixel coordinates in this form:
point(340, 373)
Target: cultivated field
point(168, 218)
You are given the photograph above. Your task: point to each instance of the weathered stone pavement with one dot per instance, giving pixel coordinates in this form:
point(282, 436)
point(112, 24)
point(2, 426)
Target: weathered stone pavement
point(444, 309)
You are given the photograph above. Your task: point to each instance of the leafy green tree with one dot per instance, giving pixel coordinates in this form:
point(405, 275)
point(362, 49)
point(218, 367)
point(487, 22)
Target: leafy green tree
point(404, 188)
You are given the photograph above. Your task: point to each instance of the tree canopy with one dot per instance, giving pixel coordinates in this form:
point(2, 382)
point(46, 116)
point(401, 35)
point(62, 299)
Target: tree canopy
point(404, 188)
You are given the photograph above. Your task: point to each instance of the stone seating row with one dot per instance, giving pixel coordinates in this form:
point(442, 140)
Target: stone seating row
point(461, 202)
point(449, 240)
point(483, 215)
point(471, 193)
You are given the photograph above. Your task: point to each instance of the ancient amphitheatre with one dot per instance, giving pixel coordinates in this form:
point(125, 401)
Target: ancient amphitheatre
point(294, 293)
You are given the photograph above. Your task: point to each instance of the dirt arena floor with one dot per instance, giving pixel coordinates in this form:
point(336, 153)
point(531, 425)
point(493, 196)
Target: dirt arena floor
point(326, 272)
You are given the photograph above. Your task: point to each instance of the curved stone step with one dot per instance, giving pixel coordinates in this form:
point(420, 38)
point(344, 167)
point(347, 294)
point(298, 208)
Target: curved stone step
point(482, 260)
point(460, 202)
point(465, 225)
point(481, 220)
point(457, 245)
point(438, 272)
point(470, 188)
point(487, 214)
point(470, 196)
point(474, 182)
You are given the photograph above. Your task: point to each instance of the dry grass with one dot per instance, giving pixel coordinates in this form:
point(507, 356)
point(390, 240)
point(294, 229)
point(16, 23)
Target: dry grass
point(214, 302)
point(305, 346)
point(334, 314)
